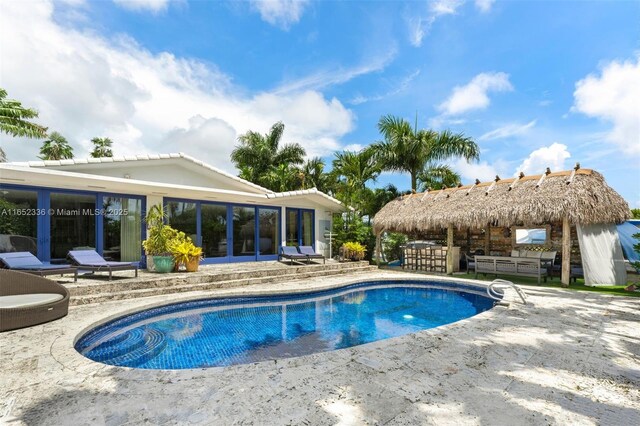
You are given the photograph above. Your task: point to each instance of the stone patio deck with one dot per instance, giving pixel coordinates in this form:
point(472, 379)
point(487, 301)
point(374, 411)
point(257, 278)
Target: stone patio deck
point(566, 358)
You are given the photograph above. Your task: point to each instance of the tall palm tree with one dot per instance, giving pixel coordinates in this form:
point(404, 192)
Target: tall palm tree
point(257, 156)
point(314, 176)
point(14, 121)
point(56, 148)
point(101, 147)
point(410, 150)
point(352, 171)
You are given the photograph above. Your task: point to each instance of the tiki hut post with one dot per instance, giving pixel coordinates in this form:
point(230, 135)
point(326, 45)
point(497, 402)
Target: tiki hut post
point(378, 247)
point(487, 239)
point(566, 252)
point(450, 249)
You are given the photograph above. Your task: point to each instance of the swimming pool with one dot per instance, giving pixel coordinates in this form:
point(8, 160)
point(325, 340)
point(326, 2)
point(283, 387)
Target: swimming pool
point(221, 332)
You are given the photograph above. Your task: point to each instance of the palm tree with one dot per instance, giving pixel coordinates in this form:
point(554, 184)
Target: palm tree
point(314, 176)
point(282, 178)
point(13, 121)
point(438, 177)
point(259, 157)
point(56, 148)
point(410, 150)
point(101, 147)
point(352, 171)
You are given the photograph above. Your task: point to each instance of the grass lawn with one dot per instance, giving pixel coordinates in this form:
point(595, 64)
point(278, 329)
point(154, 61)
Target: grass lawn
point(617, 290)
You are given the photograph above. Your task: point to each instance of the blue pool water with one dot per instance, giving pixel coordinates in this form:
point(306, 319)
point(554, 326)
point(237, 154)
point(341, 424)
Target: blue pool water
point(220, 332)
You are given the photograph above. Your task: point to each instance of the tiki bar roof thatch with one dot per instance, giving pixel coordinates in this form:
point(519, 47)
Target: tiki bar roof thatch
point(581, 195)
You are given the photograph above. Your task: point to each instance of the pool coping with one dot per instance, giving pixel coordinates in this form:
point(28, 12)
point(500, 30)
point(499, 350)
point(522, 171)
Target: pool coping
point(64, 352)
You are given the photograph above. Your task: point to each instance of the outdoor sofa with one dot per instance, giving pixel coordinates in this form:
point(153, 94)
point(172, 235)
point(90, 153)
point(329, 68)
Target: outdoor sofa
point(27, 299)
point(25, 261)
point(90, 260)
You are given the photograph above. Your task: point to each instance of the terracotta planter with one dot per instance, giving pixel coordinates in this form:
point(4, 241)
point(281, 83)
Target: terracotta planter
point(192, 265)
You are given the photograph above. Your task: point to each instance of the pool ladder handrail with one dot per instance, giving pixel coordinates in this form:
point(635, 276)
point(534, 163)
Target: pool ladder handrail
point(495, 290)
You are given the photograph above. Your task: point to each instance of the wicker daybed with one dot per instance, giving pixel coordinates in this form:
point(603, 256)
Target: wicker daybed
point(27, 299)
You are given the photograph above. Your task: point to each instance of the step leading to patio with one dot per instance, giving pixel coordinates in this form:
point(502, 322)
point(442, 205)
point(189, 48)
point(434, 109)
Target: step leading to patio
point(97, 290)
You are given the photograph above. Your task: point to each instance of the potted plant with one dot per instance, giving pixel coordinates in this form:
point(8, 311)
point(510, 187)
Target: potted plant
point(157, 244)
point(353, 250)
point(186, 253)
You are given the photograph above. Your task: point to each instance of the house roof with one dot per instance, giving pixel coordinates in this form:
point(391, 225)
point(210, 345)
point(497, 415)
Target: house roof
point(581, 195)
point(74, 163)
point(15, 173)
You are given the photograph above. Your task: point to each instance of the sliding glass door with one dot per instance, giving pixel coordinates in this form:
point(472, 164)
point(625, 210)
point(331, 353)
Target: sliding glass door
point(300, 228)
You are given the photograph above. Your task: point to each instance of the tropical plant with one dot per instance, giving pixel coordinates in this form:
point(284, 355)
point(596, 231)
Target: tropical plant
point(391, 245)
point(352, 171)
point(56, 148)
point(262, 160)
point(438, 177)
point(407, 149)
point(160, 236)
point(184, 251)
point(101, 147)
point(353, 250)
point(281, 178)
point(314, 176)
point(14, 121)
point(635, 213)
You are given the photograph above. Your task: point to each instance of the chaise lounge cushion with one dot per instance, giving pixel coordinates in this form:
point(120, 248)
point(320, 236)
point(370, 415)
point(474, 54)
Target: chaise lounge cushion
point(28, 300)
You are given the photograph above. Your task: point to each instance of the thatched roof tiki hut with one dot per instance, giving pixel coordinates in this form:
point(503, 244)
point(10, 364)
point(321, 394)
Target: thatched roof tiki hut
point(578, 200)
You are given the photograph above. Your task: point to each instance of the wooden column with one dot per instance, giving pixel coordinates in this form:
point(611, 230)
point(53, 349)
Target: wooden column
point(487, 240)
point(378, 248)
point(450, 250)
point(566, 252)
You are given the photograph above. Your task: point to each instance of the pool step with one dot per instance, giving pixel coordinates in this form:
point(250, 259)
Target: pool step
point(187, 285)
point(150, 280)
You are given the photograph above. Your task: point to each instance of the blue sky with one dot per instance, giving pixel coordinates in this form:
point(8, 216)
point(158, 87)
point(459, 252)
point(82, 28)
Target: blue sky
point(537, 84)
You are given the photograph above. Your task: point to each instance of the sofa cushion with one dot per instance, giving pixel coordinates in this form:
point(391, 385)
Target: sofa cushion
point(28, 300)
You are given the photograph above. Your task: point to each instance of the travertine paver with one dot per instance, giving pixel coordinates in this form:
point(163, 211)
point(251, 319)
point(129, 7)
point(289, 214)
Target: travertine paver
point(566, 358)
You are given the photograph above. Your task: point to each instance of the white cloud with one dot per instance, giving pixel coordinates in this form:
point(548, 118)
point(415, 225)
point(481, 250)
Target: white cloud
point(552, 156)
point(484, 6)
point(325, 78)
point(145, 102)
point(419, 24)
point(474, 95)
point(507, 131)
point(614, 96)
point(280, 13)
point(154, 6)
point(472, 171)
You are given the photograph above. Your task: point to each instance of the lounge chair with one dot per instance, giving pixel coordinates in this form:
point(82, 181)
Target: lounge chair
point(90, 260)
point(24, 261)
point(27, 300)
point(311, 253)
point(291, 253)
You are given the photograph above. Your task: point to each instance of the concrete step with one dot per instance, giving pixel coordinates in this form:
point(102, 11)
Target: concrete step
point(201, 277)
point(210, 285)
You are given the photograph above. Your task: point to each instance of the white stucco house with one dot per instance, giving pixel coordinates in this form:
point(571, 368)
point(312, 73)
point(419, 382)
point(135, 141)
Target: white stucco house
point(51, 207)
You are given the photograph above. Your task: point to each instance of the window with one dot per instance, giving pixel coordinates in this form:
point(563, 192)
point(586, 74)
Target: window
point(244, 231)
point(268, 227)
point(122, 228)
point(300, 227)
point(182, 216)
point(214, 230)
point(531, 236)
point(73, 223)
point(292, 227)
point(18, 220)
point(307, 228)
